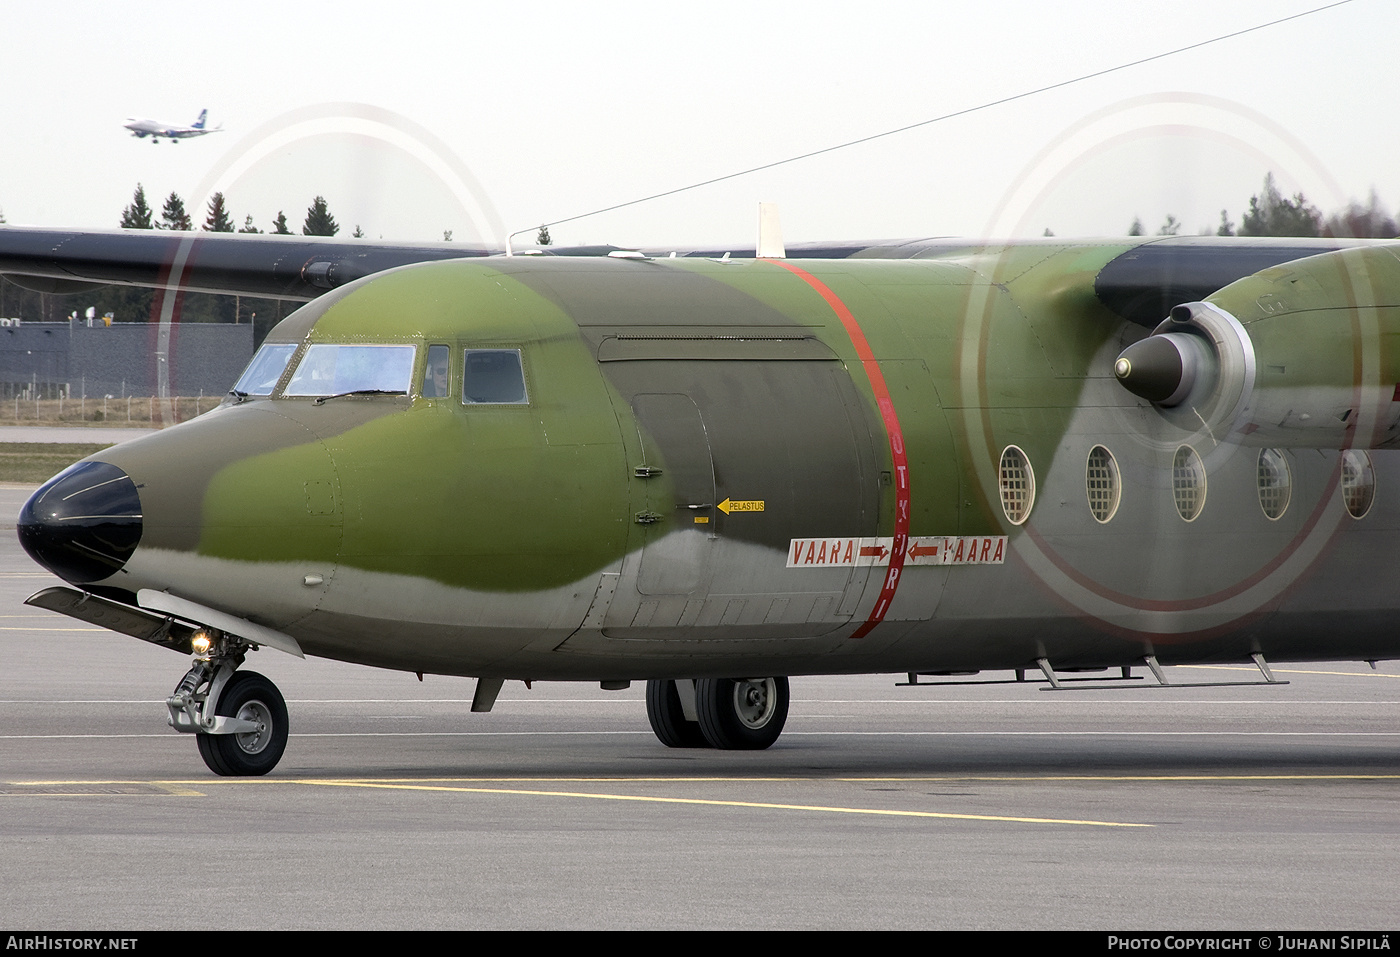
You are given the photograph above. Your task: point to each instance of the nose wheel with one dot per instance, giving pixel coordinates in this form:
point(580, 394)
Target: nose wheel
point(261, 712)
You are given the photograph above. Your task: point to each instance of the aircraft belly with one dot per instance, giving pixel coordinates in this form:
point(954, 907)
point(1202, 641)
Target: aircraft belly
point(753, 598)
point(392, 621)
point(269, 593)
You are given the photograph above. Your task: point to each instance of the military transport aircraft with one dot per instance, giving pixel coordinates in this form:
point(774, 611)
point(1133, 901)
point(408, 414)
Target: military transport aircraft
point(711, 471)
point(155, 129)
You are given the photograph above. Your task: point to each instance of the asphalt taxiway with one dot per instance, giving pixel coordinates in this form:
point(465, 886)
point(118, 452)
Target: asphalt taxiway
point(959, 806)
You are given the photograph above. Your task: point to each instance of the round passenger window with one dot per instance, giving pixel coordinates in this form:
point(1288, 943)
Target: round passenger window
point(1101, 484)
point(1358, 482)
point(1017, 482)
point(1188, 483)
point(1275, 483)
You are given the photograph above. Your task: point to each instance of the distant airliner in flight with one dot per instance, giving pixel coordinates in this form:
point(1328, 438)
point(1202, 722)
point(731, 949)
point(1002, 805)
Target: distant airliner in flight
point(141, 128)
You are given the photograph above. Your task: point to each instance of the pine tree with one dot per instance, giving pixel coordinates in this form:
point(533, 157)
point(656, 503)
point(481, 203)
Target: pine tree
point(138, 214)
point(279, 225)
point(248, 226)
point(319, 221)
point(1369, 221)
point(358, 233)
point(218, 220)
point(1272, 215)
point(1136, 228)
point(542, 238)
point(1170, 227)
point(173, 215)
point(1226, 228)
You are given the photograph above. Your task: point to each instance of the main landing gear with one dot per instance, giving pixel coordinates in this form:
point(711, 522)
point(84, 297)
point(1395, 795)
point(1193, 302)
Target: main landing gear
point(238, 718)
point(732, 714)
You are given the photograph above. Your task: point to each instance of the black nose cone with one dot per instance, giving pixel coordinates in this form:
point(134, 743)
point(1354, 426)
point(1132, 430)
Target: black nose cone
point(83, 524)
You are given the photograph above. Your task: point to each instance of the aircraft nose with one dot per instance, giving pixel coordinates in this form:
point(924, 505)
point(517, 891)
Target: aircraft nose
point(84, 523)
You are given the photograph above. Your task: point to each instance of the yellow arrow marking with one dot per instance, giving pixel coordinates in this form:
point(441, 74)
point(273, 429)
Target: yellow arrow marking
point(729, 505)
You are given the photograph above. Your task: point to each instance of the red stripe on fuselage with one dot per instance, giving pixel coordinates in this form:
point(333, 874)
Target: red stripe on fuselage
point(892, 429)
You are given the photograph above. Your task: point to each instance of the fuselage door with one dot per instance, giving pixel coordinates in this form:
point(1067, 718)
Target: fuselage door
point(745, 448)
point(675, 561)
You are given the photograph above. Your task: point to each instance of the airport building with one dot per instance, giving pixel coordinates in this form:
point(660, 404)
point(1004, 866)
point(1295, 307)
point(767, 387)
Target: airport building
point(76, 359)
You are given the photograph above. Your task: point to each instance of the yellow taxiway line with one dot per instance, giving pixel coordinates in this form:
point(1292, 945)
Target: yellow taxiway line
point(707, 802)
point(198, 788)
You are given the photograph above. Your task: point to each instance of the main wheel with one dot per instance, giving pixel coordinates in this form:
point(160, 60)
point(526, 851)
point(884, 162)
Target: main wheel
point(667, 717)
point(741, 714)
point(250, 696)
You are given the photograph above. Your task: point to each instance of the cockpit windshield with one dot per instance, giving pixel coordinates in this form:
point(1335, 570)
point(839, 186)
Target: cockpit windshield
point(344, 369)
point(261, 376)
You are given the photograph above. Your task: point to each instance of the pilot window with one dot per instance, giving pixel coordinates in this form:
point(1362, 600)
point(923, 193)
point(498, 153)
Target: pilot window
point(493, 376)
point(345, 370)
point(261, 376)
point(437, 373)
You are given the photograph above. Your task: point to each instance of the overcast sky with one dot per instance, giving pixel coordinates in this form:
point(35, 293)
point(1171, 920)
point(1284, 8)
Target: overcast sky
point(414, 118)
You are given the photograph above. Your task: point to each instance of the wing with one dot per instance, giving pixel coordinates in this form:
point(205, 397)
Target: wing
point(1141, 284)
point(276, 267)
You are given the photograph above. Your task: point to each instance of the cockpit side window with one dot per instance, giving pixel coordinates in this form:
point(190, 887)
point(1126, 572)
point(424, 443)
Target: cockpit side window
point(261, 376)
point(437, 373)
point(493, 376)
point(328, 369)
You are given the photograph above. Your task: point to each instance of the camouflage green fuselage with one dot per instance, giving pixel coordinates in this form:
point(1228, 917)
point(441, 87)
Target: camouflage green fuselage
point(704, 441)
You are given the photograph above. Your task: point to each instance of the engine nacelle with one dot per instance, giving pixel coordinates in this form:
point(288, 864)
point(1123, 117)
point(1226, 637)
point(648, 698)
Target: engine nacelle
point(1197, 367)
point(1303, 355)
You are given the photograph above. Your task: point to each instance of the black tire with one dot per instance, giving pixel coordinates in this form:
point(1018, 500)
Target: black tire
point(741, 714)
point(668, 718)
point(251, 696)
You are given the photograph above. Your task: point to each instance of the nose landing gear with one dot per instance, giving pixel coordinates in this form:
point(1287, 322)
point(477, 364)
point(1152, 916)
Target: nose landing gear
point(238, 718)
point(252, 700)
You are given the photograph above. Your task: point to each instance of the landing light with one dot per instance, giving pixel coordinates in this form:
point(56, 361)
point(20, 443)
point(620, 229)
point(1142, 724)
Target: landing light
point(201, 642)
